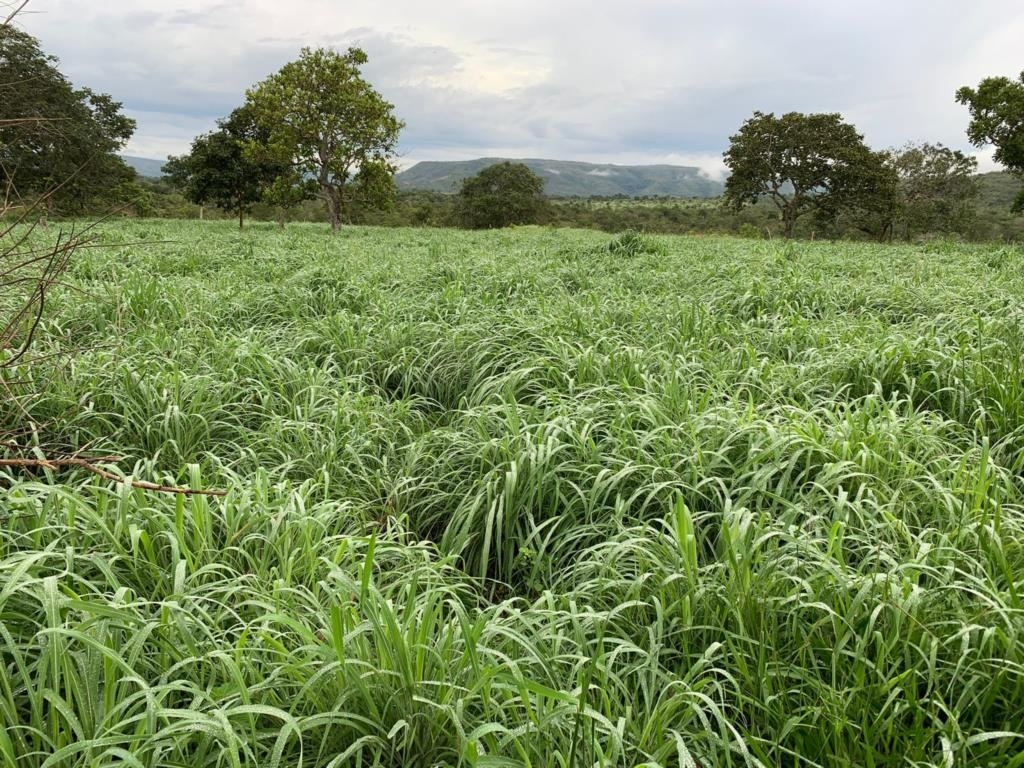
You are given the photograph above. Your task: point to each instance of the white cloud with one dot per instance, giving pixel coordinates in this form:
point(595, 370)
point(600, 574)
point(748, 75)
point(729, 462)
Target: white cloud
point(163, 133)
point(652, 81)
point(986, 163)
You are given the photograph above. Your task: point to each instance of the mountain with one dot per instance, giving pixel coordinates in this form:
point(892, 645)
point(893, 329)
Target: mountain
point(563, 178)
point(998, 189)
point(145, 166)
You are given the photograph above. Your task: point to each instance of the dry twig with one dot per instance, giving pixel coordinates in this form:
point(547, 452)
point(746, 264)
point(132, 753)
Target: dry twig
point(88, 464)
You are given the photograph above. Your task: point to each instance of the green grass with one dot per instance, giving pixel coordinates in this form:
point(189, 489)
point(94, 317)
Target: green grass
point(521, 498)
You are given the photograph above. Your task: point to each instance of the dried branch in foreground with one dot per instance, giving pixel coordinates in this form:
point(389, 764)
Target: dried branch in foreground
point(16, 8)
point(88, 464)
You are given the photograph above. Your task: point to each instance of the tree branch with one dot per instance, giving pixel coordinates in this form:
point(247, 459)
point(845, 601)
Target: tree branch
point(88, 464)
point(18, 9)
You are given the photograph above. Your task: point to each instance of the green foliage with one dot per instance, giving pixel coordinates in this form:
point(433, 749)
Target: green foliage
point(55, 140)
point(803, 164)
point(997, 118)
point(938, 188)
point(922, 189)
point(328, 123)
point(990, 220)
point(502, 195)
point(226, 168)
point(373, 188)
point(508, 498)
point(634, 244)
point(133, 198)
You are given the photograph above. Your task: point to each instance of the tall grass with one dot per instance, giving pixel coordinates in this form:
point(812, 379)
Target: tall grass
point(523, 498)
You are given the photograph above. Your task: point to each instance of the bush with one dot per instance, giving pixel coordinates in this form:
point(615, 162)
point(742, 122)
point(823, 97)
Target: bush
point(502, 195)
point(631, 244)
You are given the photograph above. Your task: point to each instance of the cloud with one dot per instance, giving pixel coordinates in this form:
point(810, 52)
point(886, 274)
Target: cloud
point(163, 133)
point(650, 81)
point(986, 163)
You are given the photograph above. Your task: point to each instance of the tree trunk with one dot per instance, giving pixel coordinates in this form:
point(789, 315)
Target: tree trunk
point(202, 209)
point(333, 198)
point(885, 236)
point(241, 217)
point(788, 222)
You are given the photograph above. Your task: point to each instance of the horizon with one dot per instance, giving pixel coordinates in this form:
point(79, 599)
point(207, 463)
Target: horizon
point(980, 171)
point(661, 83)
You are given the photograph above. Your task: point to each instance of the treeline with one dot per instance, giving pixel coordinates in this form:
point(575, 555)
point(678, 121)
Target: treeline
point(290, 141)
point(298, 150)
point(58, 142)
point(991, 218)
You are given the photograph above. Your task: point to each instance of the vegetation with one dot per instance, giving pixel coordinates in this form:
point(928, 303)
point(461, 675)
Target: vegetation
point(566, 178)
point(937, 189)
point(30, 267)
point(502, 195)
point(329, 124)
point(522, 497)
point(991, 220)
point(224, 169)
point(58, 143)
point(805, 164)
point(539, 498)
point(997, 118)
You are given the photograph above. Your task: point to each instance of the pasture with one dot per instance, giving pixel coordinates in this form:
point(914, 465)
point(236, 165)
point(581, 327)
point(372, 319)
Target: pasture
point(520, 498)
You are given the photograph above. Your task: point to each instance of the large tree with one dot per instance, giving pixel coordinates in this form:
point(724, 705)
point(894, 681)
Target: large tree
point(56, 140)
point(803, 163)
point(501, 195)
point(997, 118)
point(222, 168)
point(937, 188)
point(919, 189)
point(327, 122)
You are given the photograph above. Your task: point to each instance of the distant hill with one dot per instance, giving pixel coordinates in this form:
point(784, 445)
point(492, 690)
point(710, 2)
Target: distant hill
point(998, 189)
point(145, 166)
point(563, 178)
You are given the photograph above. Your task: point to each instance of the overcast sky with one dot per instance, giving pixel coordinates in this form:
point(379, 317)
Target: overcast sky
point(635, 81)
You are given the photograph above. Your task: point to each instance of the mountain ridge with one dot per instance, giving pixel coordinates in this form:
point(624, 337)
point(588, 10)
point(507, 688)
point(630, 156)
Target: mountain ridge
point(146, 167)
point(562, 178)
point(570, 178)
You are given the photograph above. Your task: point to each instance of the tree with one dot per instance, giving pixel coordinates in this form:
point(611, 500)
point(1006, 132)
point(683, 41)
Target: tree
point(286, 191)
point(327, 122)
point(222, 169)
point(501, 195)
point(919, 188)
point(997, 118)
point(872, 205)
point(29, 268)
point(937, 188)
point(373, 191)
point(56, 141)
point(802, 163)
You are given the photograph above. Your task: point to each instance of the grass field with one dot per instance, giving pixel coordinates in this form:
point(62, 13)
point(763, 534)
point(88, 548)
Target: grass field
point(529, 497)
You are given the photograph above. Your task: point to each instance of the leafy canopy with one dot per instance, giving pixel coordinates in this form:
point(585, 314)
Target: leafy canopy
point(802, 163)
point(223, 170)
point(501, 195)
point(937, 188)
point(997, 118)
point(327, 123)
point(56, 140)
point(919, 189)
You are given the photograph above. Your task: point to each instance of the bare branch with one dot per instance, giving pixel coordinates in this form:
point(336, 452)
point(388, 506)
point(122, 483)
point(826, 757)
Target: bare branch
point(88, 464)
point(17, 9)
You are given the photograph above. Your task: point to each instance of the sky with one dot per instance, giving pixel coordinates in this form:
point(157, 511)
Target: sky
point(642, 81)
